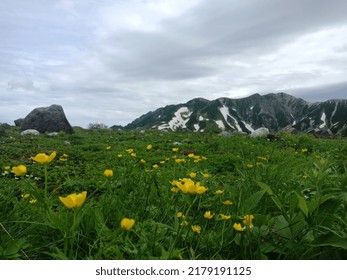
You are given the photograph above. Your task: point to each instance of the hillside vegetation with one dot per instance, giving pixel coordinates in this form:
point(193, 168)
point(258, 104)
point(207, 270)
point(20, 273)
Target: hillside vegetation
point(105, 194)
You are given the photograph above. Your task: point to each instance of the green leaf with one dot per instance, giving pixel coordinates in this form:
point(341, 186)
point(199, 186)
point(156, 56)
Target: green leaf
point(252, 202)
point(274, 197)
point(332, 240)
point(265, 187)
point(282, 227)
point(302, 205)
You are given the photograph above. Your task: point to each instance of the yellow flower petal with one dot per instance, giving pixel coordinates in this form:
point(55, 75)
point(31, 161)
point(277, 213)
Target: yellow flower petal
point(51, 156)
point(127, 224)
point(67, 201)
point(225, 217)
point(74, 200)
point(196, 229)
point(208, 215)
point(19, 170)
point(80, 198)
point(108, 173)
point(227, 202)
point(238, 227)
point(43, 158)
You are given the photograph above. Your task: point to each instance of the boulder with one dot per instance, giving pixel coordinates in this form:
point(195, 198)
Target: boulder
point(18, 122)
point(47, 119)
point(260, 132)
point(225, 133)
point(30, 132)
point(53, 134)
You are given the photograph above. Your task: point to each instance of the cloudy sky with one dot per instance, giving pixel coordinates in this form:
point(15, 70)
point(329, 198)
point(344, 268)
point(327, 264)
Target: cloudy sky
point(110, 61)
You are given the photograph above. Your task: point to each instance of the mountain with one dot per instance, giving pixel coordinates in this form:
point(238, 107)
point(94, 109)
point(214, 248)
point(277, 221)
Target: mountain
point(274, 111)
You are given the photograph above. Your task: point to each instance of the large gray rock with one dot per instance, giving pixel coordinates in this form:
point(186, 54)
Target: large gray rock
point(47, 119)
point(18, 122)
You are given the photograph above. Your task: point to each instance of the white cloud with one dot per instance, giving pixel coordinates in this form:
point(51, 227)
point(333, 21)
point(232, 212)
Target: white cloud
point(112, 61)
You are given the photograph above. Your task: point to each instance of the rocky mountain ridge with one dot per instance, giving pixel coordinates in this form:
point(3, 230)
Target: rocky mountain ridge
point(274, 111)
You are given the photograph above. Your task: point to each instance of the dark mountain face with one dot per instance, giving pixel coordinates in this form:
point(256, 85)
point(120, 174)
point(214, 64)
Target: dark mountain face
point(274, 111)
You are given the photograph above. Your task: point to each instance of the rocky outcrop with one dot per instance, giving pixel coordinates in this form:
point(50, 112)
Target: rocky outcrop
point(47, 119)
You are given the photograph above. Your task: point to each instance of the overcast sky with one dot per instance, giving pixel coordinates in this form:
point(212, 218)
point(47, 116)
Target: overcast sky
point(110, 61)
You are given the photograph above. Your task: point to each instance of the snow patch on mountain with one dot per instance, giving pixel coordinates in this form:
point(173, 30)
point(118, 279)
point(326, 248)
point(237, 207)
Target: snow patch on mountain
point(220, 124)
point(225, 113)
point(180, 119)
point(248, 126)
point(323, 118)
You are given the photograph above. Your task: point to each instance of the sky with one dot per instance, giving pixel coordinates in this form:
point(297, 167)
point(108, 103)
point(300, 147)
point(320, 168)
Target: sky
point(111, 61)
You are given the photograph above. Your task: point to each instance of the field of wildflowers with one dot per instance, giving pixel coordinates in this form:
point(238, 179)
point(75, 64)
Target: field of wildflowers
point(107, 194)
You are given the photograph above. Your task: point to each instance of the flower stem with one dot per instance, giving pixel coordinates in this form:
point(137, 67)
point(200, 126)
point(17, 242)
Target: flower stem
point(46, 180)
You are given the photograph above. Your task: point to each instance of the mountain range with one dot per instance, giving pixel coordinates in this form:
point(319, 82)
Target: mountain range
point(274, 111)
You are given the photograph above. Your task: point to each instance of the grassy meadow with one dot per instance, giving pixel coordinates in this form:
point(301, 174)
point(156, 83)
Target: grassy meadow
point(105, 194)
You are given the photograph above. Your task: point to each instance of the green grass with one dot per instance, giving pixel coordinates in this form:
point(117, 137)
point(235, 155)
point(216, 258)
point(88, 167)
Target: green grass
point(295, 188)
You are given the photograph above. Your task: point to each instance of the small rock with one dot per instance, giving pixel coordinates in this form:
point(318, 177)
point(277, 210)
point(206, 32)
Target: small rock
point(30, 132)
point(226, 134)
point(260, 133)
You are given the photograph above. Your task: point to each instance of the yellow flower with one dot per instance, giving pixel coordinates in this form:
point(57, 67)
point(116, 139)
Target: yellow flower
point(174, 189)
point(196, 229)
point(175, 149)
point(204, 158)
point(219, 192)
point(227, 202)
point(127, 224)
point(206, 175)
point(26, 195)
point(225, 217)
point(119, 155)
point(74, 200)
point(179, 214)
point(304, 150)
point(184, 223)
point(238, 227)
point(19, 170)
point(142, 161)
point(33, 201)
point(249, 165)
point(192, 175)
point(263, 158)
point(43, 158)
point(191, 155)
point(133, 154)
point(108, 173)
point(149, 147)
point(187, 185)
point(208, 215)
point(155, 166)
point(63, 157)
point(200, 189)
point(247, 220)
point(108, 148)
point(129, 150)
point(7, 167)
